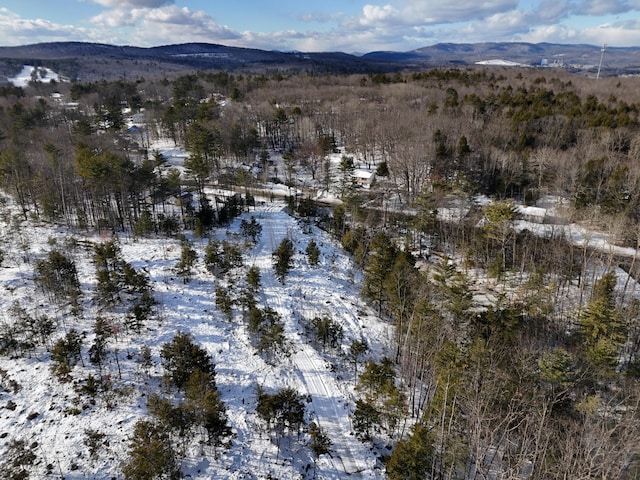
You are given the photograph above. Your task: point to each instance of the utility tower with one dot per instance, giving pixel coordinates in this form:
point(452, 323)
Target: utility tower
point(604, 47)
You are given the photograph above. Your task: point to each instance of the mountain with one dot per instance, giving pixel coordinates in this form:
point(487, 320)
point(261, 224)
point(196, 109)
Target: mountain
point(93, 61)
point(581, 57)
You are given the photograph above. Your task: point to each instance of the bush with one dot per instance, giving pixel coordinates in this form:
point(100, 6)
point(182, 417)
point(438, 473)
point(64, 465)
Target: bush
point(17, 459)
point(65, 354)
point(188, 257)
point(283, 412)
point(57, 276)
point(251, 229)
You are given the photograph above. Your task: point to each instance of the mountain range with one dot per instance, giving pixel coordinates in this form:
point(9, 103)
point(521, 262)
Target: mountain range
point(91, 61)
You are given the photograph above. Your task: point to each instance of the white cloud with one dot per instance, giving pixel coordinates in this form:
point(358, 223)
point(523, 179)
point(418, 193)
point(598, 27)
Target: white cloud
point(19, 31)
point(164, 25)
point(375, 15)
point(551, 34)
point(622, 34)
point(119, 17)
point(409, 24)
point(619, 34)
point(457, 11)
point(182, 23)
point(389, 25)
point(507, 23)
point(419, 12)
point(178, 16)
point(321, 17)
point(120, 4)
point(284, 40)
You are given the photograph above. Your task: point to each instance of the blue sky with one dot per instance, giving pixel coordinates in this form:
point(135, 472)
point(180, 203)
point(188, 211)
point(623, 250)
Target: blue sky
point(353, 26)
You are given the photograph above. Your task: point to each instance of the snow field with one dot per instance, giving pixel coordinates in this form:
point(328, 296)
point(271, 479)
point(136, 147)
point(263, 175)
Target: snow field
point(56, 415)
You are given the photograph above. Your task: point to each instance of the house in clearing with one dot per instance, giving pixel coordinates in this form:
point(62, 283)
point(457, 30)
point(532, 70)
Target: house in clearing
point(363, 178)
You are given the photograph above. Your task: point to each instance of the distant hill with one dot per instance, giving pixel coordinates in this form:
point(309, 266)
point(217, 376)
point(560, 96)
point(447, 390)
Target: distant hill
point(94, 61)
point(583, 57)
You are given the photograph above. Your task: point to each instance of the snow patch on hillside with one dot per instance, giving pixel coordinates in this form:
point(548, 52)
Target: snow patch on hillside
point(30, 73)
point(500, 62)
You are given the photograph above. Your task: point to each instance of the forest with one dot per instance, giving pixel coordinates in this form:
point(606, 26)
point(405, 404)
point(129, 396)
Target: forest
point(514, 355)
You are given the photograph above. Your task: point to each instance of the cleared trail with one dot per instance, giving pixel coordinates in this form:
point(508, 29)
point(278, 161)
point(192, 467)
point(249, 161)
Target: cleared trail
point(329, 404)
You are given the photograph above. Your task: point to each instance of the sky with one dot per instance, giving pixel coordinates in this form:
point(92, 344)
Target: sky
point(351, 26)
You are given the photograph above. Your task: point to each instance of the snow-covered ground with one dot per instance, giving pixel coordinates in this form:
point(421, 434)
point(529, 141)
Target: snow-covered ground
point(53, 417)
point(29, 72)
point(57, 415)
point(501, 62)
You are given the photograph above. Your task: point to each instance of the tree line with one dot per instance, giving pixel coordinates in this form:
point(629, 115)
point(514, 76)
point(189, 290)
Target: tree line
point(513, 135)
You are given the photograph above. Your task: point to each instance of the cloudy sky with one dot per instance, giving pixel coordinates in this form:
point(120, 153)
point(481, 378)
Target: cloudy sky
point(353, 26)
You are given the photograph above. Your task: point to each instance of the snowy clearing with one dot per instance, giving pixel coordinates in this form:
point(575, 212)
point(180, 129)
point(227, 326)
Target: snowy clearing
point(58, 415)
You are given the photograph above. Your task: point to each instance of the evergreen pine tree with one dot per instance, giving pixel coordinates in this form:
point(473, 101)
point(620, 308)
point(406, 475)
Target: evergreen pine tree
point(601, 328)
point(313, 252)
point(253, 278)
point(283, 259)
point(181, 357)
point(206, 407)
point(382, 257)
point(224, 302)
point(57, 275)
point(144, 226)
point(151, 454)
point(412, 458)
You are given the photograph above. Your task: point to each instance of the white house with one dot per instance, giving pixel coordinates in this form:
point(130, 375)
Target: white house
point(363, 178)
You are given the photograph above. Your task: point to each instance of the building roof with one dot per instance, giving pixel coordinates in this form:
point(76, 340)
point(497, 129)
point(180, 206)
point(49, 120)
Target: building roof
point(364, 174)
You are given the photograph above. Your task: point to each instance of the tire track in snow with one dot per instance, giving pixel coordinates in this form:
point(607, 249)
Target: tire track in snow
point(329, 409)
point(333, 418)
